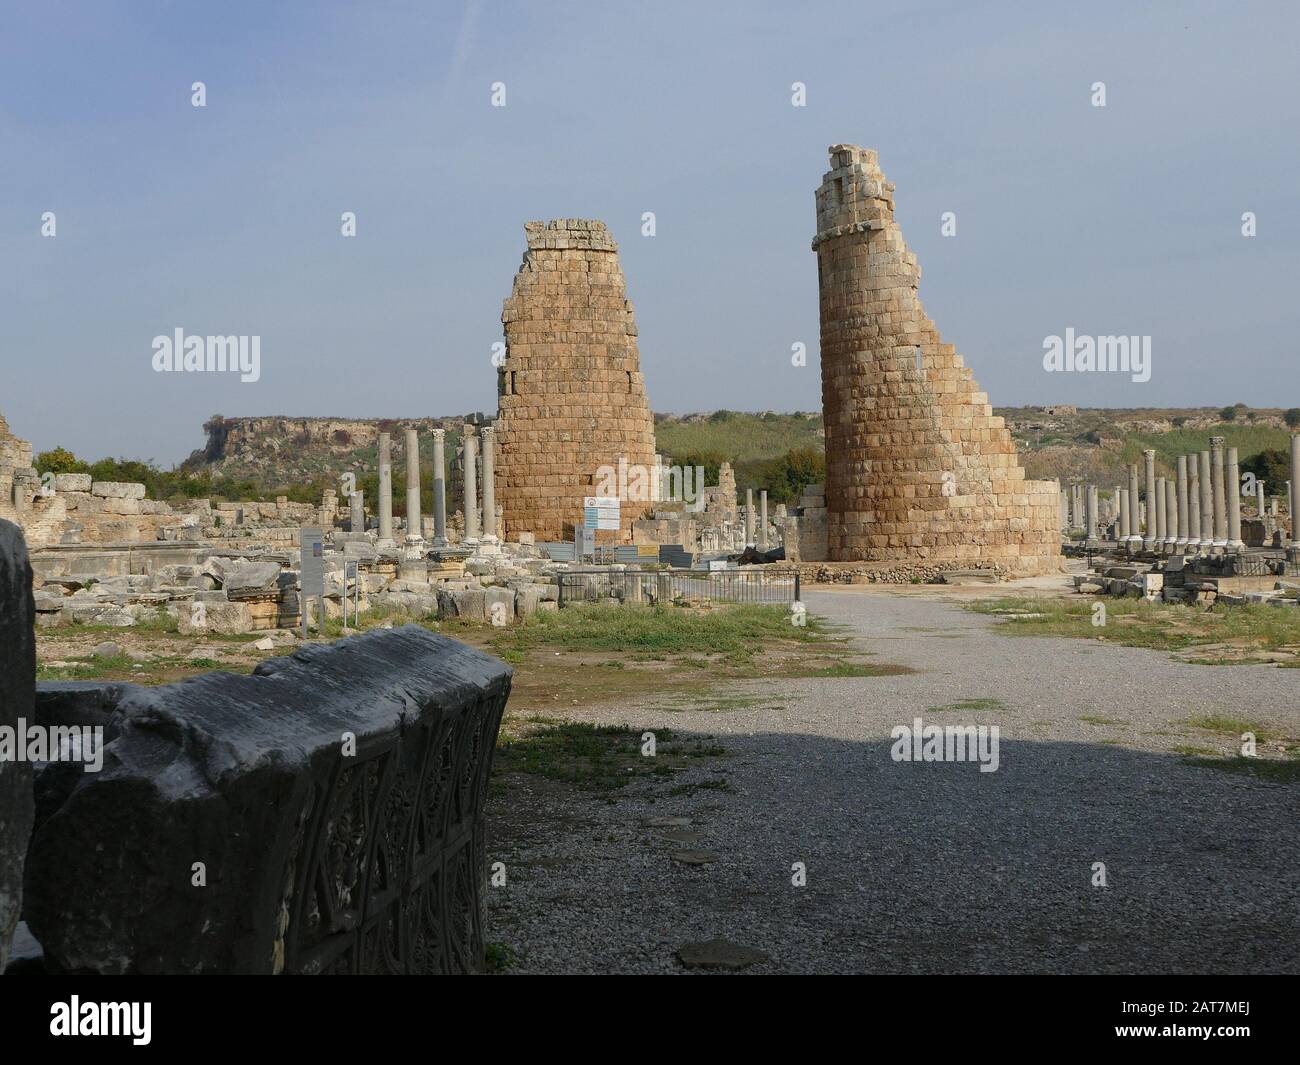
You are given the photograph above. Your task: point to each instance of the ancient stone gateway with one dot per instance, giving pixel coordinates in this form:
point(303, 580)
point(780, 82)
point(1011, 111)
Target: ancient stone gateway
point(571, 395)
point(917, 466)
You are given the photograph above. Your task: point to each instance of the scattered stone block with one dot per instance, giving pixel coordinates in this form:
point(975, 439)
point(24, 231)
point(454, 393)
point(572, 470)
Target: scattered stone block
point(502, 598)
point(250, 578)
point(117, 490)
point(315, 860)
point(528, 599)
point(222, 618)
point(72, 482)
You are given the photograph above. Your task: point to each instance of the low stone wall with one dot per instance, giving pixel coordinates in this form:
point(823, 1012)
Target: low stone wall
point(884, 572)
point(323, 815)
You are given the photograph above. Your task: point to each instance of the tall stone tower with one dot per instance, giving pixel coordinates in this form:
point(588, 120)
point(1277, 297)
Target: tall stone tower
point(917, 466)
point(571, 398)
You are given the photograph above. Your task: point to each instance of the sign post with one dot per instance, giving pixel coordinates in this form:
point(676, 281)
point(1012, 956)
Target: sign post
point(599, 512)
point(311, 570)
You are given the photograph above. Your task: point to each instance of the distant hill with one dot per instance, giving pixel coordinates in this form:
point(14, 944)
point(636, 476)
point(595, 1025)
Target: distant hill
point(267, 454)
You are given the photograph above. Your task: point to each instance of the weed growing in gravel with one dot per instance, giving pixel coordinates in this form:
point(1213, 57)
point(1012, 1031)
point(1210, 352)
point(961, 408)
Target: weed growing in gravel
point(1137, 623)
point(1228, 726)
point(594, 757)
point(498, 957)
point(969, 704)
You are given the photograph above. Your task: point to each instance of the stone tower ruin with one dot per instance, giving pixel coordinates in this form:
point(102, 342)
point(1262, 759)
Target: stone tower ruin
point(571, 397)
point(917, 466)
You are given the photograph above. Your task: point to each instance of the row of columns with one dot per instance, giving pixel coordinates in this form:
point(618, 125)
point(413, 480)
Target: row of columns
point(1081, 509)
point(761, 541)
point(1199, 508)
point(485, 438)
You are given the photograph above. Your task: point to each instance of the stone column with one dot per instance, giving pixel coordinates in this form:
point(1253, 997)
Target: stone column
point(1295, 479)
point(1220, 499)
point(1121, 497)
point(1259, 497)
point(1232, 489)
point(1156, 507)
point(749, 517)
point(1181, 537)
point(1134, 528)
point(1065, 511)
point(357, 516)
point(1207, 502)
point(439, 488)
point(1149, 535)
point(412, 486)
point(489, 485)
point(762, 519)
point(1171, 513)
point(1091, 515)
point(471, 484)
point(385, 488)
point(1193, 503)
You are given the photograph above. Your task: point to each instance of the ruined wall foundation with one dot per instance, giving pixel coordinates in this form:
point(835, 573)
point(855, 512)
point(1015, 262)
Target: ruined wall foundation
point(571, 394)
point(917, 466)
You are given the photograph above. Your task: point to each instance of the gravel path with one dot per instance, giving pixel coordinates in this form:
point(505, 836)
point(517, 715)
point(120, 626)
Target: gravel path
point(929, 867)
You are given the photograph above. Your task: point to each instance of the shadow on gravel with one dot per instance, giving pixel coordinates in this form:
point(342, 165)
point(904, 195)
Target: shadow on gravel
point(917, 867)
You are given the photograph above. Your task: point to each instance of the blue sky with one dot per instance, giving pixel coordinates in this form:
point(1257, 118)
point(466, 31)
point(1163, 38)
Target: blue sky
point(225, 219)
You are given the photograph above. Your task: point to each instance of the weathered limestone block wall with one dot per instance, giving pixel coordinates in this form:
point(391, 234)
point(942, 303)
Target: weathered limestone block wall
point(17, 700)
point(320, 855)
point(571, 394)
point(15, 471)
point(917, 465)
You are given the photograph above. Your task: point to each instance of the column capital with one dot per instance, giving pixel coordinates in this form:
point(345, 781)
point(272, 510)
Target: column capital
point(439, 435)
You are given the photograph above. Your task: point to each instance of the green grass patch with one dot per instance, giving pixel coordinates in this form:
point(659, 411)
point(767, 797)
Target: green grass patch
point(1097, 719)
point(1226, 725)
point(736, 630)
point(1137, 623)
point(601, 758)
point(87, 668)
